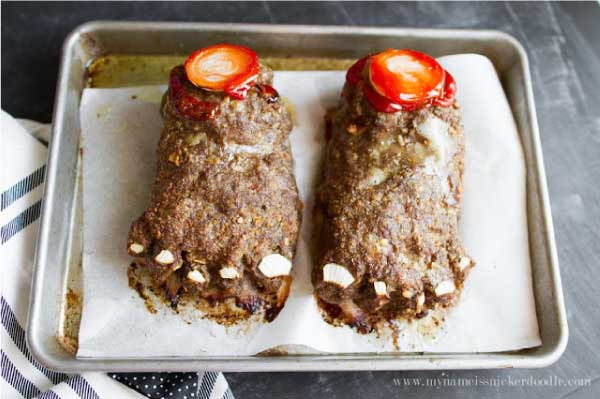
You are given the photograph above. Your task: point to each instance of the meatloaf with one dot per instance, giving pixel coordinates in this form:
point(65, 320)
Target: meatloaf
point(387, 211)
point(224, 212)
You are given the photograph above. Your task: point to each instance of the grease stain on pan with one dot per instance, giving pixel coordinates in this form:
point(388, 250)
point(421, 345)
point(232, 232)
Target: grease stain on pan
point(123, 70)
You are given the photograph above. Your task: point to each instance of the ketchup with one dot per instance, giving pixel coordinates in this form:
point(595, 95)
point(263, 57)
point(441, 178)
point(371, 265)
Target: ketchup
point(187, 105)
point(269, 93)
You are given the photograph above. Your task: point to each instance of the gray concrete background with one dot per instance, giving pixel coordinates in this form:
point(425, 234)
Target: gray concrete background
point(563, 43)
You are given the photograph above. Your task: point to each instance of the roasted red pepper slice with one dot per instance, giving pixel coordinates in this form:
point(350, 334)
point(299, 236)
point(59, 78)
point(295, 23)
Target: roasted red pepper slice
point(382, 104)
point(406, 76)
point(425, 91)
point(447, 98)
point(223, 67)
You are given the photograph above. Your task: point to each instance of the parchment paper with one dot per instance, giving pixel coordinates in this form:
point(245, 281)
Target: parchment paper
point(496, 311)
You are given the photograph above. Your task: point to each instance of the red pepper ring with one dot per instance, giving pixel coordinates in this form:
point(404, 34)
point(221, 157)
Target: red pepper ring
point(382, 104)
point(223, 67)
point(406, 76)
point(447, 98)
point(356, 77)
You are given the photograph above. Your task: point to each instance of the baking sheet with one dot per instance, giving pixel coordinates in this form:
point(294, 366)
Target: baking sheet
point(496, 311)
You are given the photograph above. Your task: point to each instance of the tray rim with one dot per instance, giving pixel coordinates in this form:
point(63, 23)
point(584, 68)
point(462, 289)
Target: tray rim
point(291, 363)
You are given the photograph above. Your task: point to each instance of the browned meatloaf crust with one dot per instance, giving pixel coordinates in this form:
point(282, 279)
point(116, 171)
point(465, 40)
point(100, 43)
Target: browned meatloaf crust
point(224, 197)
point(387, 210)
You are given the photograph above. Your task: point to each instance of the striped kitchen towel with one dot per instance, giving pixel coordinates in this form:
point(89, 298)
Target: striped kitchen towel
point(22, 168)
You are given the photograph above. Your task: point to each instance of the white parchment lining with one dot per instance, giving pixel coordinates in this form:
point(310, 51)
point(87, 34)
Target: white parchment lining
point(496, 311)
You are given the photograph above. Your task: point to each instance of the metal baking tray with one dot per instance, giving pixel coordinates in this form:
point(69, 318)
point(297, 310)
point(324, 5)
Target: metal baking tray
point(58, 260)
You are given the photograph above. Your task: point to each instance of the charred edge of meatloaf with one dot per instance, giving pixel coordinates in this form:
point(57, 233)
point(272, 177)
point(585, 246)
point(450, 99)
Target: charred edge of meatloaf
point(387, 209)
point(224, 196)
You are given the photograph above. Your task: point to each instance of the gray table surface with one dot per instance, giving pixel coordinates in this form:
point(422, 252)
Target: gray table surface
point(563, 43)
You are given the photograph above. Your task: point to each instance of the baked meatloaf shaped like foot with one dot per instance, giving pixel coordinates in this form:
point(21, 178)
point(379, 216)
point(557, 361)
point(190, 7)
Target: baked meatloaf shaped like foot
point(224, 212)
point(387, 207)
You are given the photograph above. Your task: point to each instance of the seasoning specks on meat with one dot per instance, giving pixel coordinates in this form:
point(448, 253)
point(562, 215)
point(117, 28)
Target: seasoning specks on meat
point(387, 211)
point(224, 200)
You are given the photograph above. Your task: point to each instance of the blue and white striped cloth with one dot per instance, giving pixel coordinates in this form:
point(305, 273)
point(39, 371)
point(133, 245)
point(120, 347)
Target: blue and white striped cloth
point(22, 168)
